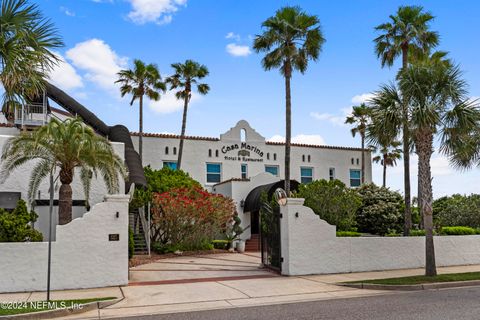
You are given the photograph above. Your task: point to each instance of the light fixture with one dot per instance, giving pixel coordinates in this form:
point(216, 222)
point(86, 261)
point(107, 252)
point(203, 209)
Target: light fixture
point(280, 196)
point(242, 203)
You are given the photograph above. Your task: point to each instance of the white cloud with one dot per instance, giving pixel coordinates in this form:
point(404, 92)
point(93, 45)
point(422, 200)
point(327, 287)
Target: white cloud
point(337, 120)
point(232, 35)
point(312, 139)
point(67, 11)
point(168, 103)
point(362, 98)
point(440, 166)
point(99, 61)
point(156, 11)
point(64, 75)
point(238, 50)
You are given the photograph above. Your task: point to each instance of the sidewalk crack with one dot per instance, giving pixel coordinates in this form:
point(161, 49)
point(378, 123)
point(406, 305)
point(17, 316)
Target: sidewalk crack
point(225, 285)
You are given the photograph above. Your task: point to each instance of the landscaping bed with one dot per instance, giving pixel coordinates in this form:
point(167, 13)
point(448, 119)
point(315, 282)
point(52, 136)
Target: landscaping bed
point(414, 280)
point(144, 259)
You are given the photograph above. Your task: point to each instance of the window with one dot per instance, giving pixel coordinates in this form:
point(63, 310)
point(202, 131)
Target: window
point(303, 158)
point(268, 155)
point(353, 161)
point(166, 150)
point(309, 158)
point(355, 176)
point(170, 164)
point(244, 171)
point(331, 173)
point(243, 135)
point(306, 174)
point(272, 169)
point(275, 156)
point(210, 153)
point(214, 172)
point(174, 150)
point(216, 153)
point(358, 161)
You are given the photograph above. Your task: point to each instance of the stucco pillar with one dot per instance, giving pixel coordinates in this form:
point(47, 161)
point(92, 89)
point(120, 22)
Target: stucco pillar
point(289, 214)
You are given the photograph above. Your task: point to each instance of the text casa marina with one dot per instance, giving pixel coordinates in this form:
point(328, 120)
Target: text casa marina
point(244, 151)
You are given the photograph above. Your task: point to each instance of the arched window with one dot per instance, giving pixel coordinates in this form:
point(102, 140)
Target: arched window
point(210, 152)
point(309, 158)
point(243, 135)
point(274, 156)
point(353, 161)
point(268, 155)
point(303, 158)
point(216, 153)
point(166, 150)
point(174, 150)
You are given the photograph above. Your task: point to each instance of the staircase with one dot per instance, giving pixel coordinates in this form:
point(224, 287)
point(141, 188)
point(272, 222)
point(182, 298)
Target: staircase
point(253, 244)
point(138, 234)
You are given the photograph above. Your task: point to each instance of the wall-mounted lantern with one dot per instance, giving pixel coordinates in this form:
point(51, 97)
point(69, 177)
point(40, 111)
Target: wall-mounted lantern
point(280, 196)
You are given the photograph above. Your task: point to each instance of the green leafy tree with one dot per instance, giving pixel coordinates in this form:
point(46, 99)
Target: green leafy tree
point(16, 226)
point(27, 39)
point(457, 210)
point(389, 153)
point(290, 39)
point(407, 31)
point(143, 80)
point(361, 118)
point(438, 98)
point(186, 75)
point(381, 210)
point(333, 201)
point(59, 148)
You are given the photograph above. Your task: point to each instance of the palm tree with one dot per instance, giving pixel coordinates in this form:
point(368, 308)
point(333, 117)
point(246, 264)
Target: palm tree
point(26, 41)
point(291, 38)
point(63, 147)
point(361, 117)
point(407, 31)
point(436, 94)
point(143, 80)
point(389, 154)
point(186, 75)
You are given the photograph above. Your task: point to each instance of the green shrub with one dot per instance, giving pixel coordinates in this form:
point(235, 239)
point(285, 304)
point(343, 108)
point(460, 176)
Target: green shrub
point(171, 248)
point(457, 231)
point(348, 234)
point(457, 210)
point(332, 201)
point(381, 210)
point(131, 243)
point(16, 226)
point(417, 233)
point(221, 244)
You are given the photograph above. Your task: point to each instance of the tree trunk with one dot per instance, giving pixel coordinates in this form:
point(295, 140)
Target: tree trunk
point(363, 158)
point(406, 154)
point(384, 172)
point(419, 202)
point(182, 134)
point(140, 130)
point(424, 146)
point(288, 125)
point(65, 197)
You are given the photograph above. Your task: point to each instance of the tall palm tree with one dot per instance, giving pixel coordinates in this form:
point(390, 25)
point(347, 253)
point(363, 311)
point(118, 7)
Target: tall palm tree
point(187, 75)
point(361, 118)
point(389, 154)
point(26, 41)
point(60, 148)
point(142, 80)
point(436, 93)
point(291, 38)
point(406, 31)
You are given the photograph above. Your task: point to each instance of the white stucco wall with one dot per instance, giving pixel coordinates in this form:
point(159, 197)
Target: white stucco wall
point(196, 156)
point(310, 246)
point(82, 255)
point(18, 181)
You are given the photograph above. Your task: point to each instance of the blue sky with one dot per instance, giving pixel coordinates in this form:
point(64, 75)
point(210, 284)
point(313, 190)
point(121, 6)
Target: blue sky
point(102, 36)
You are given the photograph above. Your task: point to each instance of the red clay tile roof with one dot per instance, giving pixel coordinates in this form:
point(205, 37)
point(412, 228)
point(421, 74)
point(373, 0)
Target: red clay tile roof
point(8, 125)
point(229, 180)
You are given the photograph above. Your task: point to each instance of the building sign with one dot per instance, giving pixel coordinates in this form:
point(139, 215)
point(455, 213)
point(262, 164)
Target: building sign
point(242, 152)
point(113, 237)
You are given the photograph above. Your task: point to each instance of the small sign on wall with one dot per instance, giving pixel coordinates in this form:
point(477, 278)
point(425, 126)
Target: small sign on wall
point(113, 237)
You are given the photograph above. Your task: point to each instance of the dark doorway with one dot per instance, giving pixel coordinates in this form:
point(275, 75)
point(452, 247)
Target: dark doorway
point(255, 222)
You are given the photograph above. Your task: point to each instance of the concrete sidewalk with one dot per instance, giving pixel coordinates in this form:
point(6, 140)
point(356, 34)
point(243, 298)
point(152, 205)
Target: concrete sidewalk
point(214, 292)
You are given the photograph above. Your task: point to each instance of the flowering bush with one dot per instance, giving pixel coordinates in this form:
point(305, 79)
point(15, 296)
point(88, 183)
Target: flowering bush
point(187, 217)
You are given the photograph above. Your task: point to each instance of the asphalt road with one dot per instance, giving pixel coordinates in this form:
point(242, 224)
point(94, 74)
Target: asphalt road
point(446, 304)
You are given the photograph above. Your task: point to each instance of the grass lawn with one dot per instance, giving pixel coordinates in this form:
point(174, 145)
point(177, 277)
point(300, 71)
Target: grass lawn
point(11, 308)
point(424, 279)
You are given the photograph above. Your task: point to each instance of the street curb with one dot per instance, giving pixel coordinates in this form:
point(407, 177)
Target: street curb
point(49, 314)
point(412, 287)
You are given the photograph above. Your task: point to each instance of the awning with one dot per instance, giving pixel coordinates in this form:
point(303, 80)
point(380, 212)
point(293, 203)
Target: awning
point(253, 202)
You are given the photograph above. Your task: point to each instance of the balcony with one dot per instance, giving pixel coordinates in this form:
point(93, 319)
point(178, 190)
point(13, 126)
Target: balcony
point(31, 115)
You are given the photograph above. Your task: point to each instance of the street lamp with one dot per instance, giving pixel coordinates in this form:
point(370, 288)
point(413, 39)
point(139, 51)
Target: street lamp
point(280, 196)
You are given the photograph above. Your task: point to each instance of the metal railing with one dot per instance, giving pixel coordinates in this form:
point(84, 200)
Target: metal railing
point(32, 114)
point(145, 225)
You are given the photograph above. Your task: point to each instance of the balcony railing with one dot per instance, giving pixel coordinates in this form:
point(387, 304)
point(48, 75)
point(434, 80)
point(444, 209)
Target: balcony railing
point(33, 114)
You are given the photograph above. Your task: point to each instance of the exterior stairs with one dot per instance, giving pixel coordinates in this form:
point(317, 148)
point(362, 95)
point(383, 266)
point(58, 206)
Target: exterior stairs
point(253, 244)
point(138, 234)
